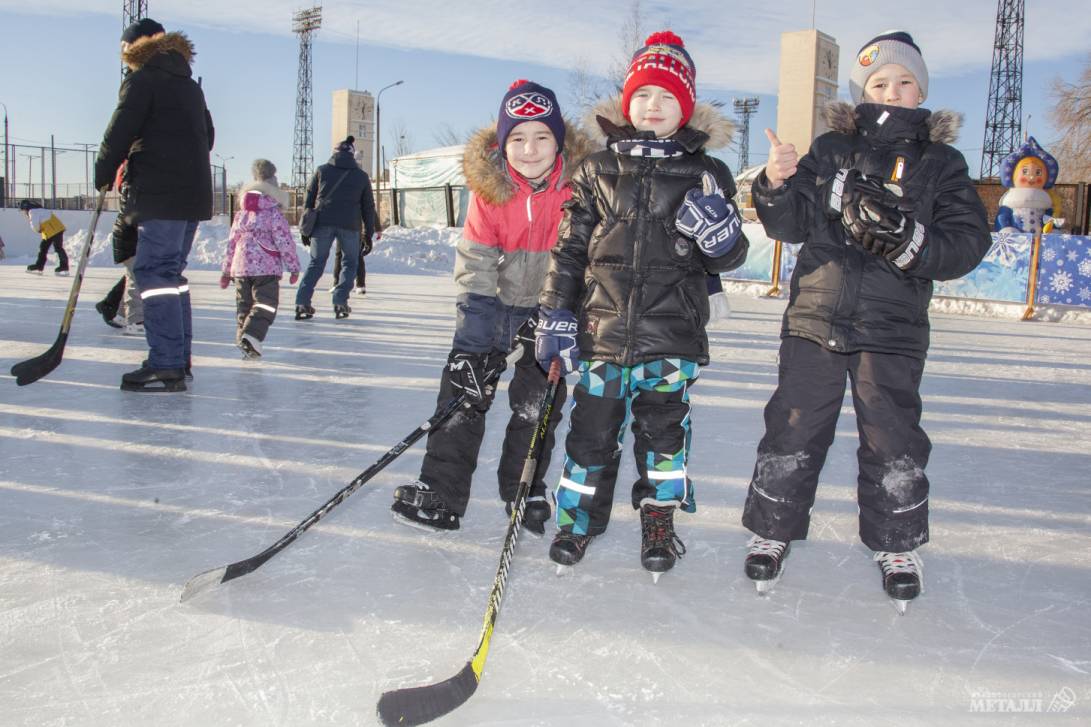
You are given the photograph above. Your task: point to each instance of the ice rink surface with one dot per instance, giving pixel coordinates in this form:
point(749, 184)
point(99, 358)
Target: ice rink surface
point(112, 500)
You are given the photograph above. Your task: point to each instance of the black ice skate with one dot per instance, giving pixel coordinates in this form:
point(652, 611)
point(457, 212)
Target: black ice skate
point(765, 561)
point(34, 270)
point(108, 313)
point(61, 271)
point(304, 312)
point(146, 379)
point(536, 513)
point(660, 546)
point(903, 577)
point(417, 506)
point(341, 311)
point(250, 346)
point(567, 550)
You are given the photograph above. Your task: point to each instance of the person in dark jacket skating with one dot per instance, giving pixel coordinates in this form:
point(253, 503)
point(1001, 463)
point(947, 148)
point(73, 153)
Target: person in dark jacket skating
point(341, 192)
point(163, 127)
point(518, 171)
point(883, 206)
point(626, 298)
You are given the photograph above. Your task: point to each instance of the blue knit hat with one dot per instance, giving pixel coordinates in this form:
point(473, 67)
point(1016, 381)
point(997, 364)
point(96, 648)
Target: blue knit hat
point(528, 101)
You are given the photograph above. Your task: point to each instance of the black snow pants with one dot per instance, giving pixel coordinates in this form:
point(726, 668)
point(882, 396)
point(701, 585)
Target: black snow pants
point(800, 422)
point(57, 243)
point(451, 456)
point(256, 300)
point(361, 270)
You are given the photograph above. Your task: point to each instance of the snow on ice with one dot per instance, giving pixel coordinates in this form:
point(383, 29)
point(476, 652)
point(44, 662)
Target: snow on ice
point(112, 500)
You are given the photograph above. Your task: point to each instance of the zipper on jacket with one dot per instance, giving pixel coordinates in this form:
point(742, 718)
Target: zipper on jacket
point(645, 168)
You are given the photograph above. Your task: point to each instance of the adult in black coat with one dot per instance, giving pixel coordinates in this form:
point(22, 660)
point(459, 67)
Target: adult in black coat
point(341, 193)
point(162, 126)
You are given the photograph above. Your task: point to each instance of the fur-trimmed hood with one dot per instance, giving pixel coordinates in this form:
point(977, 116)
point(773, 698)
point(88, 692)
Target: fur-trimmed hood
point(706, 119)
point(275, 193)
point(486, 170)
point(144, 49)
point(943, 125)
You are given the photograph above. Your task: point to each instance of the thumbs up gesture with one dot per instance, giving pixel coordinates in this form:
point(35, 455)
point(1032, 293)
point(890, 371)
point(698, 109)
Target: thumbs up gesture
point(783, 160)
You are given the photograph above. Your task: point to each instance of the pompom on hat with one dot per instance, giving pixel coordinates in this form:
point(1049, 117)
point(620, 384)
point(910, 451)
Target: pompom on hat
point(664, 62)
point(892, 46)
point(1030, 148)
point(529, 101)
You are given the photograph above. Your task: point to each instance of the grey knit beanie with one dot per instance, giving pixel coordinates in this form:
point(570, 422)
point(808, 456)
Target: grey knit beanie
point(892, 46)
point(263, 169)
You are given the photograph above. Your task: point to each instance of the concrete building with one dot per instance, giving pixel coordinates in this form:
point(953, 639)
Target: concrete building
point(808, 80)
point(354, 113)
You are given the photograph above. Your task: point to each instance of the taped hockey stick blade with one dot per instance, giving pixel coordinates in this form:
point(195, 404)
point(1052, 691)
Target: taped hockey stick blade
point(417, 705)
point(202, 582)
point(29, 371)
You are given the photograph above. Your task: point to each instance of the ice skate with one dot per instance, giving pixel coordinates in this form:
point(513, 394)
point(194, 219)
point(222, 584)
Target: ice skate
point(62, 272)
point(903, 577)
point(133, 329)
point(567, 550)
point(109, 314)
point(34, 270)
point(304, 312)
point(341, 311)
point(361, 290)
point(417, 506)
point(660, 546)
point(150, 380)
point(765, 562)
point(250, 347)
point(536, 513)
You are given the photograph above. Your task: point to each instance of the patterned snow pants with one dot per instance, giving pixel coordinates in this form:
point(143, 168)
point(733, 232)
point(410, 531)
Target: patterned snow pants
point(656, 395)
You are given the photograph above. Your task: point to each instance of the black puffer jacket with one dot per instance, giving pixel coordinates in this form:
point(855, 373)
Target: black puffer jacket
point(351, 202)
point(843, 297)
point(162, 125)
point(638, 286)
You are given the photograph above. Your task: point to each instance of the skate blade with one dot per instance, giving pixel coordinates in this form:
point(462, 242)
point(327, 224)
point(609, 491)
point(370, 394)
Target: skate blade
point(900, 605)
point(537, 529)
point(564, 571)
point(655, 578)
point(399, 518)
point(764, 588)
point(164, 388)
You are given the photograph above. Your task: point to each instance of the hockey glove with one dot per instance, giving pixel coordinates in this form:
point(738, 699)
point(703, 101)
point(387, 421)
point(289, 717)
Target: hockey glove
point(555, 337)
point(474, 374)
point(709, 219)
point(886, 231)
point(846, 188)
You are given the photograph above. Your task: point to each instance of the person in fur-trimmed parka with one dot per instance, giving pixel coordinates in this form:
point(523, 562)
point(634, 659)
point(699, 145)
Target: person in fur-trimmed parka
point(883, 205)
point(518, 172)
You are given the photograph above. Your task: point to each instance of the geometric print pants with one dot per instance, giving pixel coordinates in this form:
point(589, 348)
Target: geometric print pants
point(655, 396)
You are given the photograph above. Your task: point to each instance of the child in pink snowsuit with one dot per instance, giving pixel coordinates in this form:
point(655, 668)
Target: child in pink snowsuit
point(260, 248)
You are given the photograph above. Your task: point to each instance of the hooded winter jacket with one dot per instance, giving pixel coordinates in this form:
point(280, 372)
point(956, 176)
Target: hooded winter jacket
point(162, 125)
point(261, 242)
point(639, 286)
point(350, 203)
point(502, 257)
point(843, 297)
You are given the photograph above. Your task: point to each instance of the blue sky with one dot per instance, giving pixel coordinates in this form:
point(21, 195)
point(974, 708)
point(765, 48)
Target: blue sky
point(62, 67)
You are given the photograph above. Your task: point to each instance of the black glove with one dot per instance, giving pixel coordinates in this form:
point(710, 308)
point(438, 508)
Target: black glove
point(365, 248)
point(305, 240)
point(847, 187)
point(886, 231)
point(475, 375)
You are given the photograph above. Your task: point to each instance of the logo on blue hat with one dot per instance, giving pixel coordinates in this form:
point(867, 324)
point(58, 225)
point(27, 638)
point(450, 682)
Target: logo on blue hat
point(528, 105)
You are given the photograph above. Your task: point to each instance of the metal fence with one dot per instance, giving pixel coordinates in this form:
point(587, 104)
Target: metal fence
point(62, 177)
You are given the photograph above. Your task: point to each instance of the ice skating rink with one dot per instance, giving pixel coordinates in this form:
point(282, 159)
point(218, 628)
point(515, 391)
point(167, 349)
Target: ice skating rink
point(112, 500)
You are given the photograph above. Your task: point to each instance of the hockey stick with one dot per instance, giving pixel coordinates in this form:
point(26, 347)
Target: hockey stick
point(417, 705)
point(29, 371)
point(216, 576)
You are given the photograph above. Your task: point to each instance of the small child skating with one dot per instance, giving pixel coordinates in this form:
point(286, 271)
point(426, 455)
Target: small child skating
point(51, 229)
point(884, 206)
point(260, 249)
point(626, 299)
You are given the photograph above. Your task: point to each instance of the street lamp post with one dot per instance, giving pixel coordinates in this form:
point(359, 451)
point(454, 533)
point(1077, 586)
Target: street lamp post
point(379, 148)
point(30, 173)
point(223, 181)
point(7, 164)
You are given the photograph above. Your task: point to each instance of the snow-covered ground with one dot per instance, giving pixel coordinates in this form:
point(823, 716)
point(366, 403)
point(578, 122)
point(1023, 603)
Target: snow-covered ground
point(112, 500)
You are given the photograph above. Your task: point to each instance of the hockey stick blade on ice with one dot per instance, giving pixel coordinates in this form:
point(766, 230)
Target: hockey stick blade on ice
point(29, 371)
point(417, 705)
point(210, 578)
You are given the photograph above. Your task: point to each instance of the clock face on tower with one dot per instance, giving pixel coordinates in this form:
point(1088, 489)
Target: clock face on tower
point(827, 63)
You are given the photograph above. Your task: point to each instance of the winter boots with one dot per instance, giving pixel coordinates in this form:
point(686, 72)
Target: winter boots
point(146, 379)
point(304, 312)
point(660, 546)
point(765, 561)
point(567, 549)
point(341, 311)
point(418, 506)
point(903, 576)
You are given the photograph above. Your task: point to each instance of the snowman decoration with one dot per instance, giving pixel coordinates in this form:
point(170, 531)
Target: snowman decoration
point(1027, 207)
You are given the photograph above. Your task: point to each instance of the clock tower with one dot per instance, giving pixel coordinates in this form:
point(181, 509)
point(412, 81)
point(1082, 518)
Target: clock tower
point(808, 80)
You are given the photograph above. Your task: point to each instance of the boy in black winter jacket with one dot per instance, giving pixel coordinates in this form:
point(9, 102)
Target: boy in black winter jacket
point(626, 300)
point(884, 206)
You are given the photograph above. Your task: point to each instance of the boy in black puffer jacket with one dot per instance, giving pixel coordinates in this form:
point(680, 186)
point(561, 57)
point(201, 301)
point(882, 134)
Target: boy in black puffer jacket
point(884, 206)
point(626, 299)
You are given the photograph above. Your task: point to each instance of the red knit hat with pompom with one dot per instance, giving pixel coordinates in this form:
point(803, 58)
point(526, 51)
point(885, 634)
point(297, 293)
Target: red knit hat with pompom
point(663, 61)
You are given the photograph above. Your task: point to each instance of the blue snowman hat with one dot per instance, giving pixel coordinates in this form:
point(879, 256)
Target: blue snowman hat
point(1030, 148)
